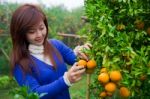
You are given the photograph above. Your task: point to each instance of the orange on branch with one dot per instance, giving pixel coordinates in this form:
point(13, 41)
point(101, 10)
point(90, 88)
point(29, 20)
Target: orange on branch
point(110, 87)
point(82, 63)
point(103, 94)
point(115, 75)
point(91, 64)
point(124, 92)
point(103, 70)
point(103, 77)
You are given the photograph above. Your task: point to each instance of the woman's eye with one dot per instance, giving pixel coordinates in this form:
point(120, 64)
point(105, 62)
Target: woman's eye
point(41, 28)
point(31, 31)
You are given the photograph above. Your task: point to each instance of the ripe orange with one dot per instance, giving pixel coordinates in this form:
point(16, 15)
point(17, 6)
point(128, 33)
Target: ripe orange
point(91, 64)
point(103, 77)
point(82, 63)
point(124, 92)
point(110, 87)
point(115, 75)
point(103, 70)
point(103, 94)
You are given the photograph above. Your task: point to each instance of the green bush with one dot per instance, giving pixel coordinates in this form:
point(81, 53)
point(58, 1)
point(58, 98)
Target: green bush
point(7, 82)
point(120, 36)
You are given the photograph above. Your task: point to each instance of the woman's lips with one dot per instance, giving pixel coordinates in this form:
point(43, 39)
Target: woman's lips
point(38, 39)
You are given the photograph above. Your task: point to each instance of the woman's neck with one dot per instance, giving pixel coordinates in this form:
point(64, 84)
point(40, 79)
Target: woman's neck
point(36, 49)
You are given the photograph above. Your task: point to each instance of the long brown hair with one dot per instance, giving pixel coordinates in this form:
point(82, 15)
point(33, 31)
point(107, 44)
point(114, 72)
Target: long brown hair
point(25, 17)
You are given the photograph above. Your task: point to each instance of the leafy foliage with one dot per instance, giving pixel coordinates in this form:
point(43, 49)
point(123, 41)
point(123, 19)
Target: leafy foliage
point(121, 41)
point(7, 82)
point(22, 93)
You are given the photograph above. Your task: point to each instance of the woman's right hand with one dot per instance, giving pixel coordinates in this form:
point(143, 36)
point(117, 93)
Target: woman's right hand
point(79, 51)
point(75, 73)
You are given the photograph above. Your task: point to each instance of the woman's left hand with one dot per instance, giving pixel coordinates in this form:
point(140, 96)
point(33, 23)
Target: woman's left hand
point(78, 51)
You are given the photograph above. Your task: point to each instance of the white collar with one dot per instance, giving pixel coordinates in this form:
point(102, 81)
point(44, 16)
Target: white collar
point(35, 49)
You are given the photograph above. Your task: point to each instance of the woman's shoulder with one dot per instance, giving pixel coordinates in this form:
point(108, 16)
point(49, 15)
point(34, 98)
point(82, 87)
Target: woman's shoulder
point(57, 43)
point(54, 41)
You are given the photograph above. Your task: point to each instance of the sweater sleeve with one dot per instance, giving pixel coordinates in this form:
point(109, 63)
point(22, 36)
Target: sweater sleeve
point(66, 52)
point(50, 90)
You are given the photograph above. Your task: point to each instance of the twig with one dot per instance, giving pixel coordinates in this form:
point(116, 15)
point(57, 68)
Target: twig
point(5, 54)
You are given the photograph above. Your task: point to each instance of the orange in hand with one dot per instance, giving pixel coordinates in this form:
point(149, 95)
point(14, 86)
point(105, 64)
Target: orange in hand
point(91, 64)
point(82, 63)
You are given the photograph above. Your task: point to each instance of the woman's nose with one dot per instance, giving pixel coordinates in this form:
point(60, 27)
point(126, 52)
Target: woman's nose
point(39, 33)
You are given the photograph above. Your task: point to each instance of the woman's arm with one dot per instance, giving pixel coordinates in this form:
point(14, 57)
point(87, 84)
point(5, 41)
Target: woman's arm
point(66, 52)
point(74, 74)
point(28, 80)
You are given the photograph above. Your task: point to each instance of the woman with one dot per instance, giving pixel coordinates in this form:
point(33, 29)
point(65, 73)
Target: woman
point(37, 62)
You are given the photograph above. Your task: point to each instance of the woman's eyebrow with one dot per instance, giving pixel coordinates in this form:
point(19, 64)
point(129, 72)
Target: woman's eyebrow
point(41, 24)
point(32, 28)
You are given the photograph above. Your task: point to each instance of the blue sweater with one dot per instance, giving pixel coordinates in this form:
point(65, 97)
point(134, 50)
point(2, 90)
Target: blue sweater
point(44, 78)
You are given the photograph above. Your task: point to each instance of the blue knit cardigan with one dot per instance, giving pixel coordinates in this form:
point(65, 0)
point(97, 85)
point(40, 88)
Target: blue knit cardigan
point(44, 79)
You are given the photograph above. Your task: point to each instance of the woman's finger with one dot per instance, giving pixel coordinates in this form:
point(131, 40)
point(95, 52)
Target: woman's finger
point(88, 44)
point(82, 55)
point(78, 78)
point(79, 72)
point(86, 47)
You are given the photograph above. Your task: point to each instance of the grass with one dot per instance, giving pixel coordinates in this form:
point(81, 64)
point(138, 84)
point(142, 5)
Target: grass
point(78, 90)
point(5, 94)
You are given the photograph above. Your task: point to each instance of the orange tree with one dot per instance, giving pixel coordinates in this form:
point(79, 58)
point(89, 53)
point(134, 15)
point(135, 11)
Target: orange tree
point(120, 34)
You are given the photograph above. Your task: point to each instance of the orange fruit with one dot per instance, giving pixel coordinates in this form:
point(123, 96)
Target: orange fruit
point(115, 75)
point(103, 70)
point(91, 64)
point(103, 77)
point(82, 63)
point(110, 87)
point(124, 92)
point(103, 94)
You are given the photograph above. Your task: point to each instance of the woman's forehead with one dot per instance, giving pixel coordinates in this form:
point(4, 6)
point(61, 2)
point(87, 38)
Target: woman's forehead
point(38, 24)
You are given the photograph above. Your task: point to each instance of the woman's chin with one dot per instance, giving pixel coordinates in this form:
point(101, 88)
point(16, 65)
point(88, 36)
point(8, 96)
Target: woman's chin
point(39, 43)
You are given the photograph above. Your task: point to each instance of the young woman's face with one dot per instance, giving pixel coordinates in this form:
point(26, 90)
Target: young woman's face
point(36, 35)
